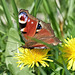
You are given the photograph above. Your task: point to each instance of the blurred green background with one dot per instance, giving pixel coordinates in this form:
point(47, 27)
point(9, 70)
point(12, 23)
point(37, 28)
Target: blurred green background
point(61, 15)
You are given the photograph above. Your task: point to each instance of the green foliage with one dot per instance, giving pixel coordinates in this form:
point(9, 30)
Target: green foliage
point(60, 13)
point(11, 48)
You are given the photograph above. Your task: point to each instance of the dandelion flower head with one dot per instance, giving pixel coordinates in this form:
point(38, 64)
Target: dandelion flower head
point(69, 52)
point(32, 57)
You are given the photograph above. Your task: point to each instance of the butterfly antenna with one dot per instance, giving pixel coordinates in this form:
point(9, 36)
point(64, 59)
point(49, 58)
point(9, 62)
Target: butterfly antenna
point(16, 49)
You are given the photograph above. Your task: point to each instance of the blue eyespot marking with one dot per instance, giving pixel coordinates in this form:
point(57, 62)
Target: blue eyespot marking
point(39, 26)
point(23, 13)
point(23, 17)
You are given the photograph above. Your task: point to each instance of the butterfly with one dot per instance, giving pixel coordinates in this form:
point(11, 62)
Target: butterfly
point(35, 28)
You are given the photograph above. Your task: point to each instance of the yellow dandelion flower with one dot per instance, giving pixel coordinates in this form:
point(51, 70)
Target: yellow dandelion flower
point(32, 57)
point(69, 52)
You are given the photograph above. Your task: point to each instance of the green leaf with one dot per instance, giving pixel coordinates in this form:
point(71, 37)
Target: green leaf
point(17, 71)
point(11, 45)
point(10, 61)
point(25, 71)
point(16, 40)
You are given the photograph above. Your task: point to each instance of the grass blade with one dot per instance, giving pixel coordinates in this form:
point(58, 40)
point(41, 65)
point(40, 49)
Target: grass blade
point(44, 43)
point(64, 65)
point(15, 11)
point(7, 13)
point(71, 7)
point(36, 7)
point(52, 18)
point(42, 71)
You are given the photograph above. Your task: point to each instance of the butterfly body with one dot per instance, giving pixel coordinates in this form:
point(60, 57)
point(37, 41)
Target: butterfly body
point(35, 28)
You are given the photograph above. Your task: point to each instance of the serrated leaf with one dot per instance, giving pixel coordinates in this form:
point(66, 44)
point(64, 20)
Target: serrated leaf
point(10, 61)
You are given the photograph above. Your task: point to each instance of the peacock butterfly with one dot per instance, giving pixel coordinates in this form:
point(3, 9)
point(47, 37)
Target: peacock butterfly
point(33, 27)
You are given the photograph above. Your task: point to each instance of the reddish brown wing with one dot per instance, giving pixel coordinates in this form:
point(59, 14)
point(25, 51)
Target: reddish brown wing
point(45, 34)
point(28, 26)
